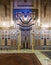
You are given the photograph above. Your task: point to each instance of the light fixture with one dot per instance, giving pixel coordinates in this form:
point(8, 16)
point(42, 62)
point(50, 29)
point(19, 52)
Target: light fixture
point(45, 26)
point(25, 18)
point(4, 23)
point(12, 23)
point(38, 20)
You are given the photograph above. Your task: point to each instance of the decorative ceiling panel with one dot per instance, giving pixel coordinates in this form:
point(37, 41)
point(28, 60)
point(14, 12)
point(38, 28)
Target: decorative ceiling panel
point(25, 18)
point(23, 3)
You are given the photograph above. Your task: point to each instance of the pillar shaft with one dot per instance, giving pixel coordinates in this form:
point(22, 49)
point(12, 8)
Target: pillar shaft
point(33, 41)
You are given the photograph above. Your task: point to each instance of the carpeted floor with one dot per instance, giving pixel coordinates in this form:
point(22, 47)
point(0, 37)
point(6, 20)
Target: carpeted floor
point(18, 59)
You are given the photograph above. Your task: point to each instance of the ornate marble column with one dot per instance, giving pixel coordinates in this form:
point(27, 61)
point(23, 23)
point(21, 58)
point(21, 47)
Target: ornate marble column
point(19, 40)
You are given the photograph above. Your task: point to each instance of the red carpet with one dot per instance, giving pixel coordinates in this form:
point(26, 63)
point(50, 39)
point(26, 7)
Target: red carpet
point(18, 59)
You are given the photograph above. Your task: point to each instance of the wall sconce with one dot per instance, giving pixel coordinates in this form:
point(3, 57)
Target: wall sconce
point(38, 21)
point(12, 23)
point(44, 26)
point(4, 24)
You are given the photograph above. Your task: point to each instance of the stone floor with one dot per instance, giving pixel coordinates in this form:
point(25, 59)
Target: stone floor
point(48, 54)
